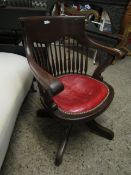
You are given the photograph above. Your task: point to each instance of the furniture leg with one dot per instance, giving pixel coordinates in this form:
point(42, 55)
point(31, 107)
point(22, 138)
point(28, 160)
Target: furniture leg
point(62, 146)
point(100, 130)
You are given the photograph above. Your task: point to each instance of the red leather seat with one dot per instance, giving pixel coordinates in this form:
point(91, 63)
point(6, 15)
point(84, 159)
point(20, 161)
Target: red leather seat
point(81, 93)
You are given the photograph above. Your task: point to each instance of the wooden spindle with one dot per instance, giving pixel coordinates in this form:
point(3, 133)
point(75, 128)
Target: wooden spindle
point(60, 57)
point(65, 67)
point(56, 59)
point(52, 59)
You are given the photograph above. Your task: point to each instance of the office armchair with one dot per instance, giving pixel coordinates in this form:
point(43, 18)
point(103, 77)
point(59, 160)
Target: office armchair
point(57, 52)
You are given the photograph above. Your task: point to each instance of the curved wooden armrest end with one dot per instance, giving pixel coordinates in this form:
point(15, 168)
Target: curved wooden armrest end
point(47, 81)
point(113, 51)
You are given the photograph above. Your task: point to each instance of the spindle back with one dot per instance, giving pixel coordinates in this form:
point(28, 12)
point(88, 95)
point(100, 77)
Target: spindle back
point(57, 43)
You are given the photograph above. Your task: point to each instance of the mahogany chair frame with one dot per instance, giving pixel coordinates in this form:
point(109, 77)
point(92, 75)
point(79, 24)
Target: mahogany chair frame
point(45, 30)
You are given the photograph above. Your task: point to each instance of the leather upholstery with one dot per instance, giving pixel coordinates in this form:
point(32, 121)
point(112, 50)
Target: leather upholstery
point(81, 93)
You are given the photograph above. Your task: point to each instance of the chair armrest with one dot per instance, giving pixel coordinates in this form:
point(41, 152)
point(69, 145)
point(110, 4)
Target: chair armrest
point(111, 50)
point(50, 83)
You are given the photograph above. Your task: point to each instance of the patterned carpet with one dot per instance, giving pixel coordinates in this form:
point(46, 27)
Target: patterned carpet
point(35, 140)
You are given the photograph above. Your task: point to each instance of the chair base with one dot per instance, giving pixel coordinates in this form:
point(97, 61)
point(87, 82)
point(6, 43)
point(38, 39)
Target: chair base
point(100, 130)
point(62, 146)
point(92, 125)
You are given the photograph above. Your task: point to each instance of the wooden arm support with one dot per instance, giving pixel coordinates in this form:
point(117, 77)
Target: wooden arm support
point(108, 61)
point(50, 83)
point(110, 50)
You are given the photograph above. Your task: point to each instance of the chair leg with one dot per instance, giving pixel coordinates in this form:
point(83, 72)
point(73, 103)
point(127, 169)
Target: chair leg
point(100, 130)
point(62, 146)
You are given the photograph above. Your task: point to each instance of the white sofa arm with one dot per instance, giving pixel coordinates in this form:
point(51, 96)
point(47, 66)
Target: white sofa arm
point(15, 81)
